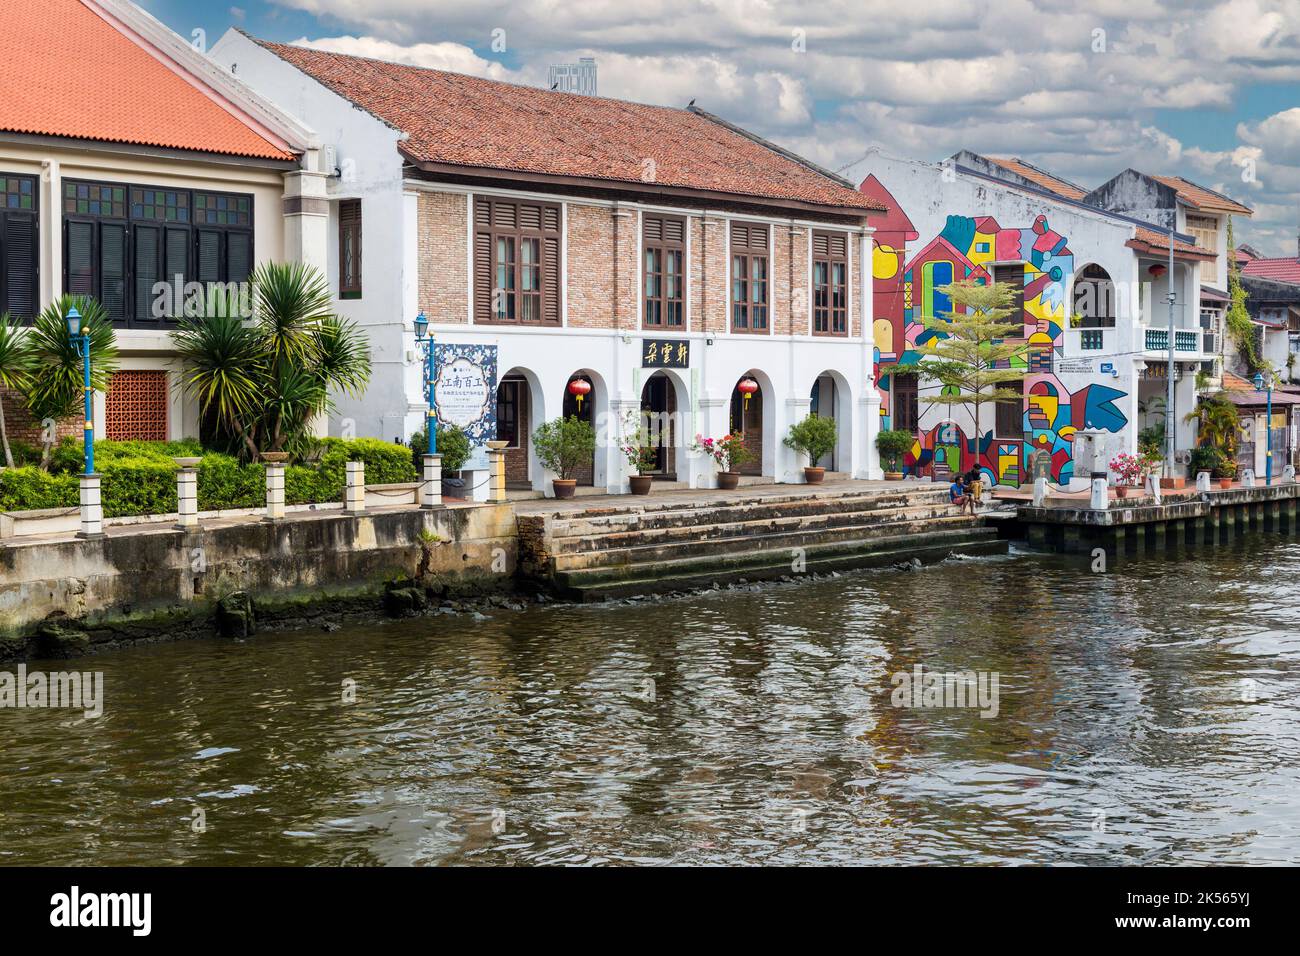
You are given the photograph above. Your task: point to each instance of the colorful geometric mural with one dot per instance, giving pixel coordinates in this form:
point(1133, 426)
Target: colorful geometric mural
point(907, 292)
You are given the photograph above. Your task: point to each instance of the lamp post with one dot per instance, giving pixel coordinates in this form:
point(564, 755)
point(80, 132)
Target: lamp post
point(431, 423)
point(1268, 425)
point(80, 340)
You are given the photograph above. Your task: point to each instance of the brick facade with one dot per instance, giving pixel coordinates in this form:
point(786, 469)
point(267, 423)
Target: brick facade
point(21, 427)
point(601, 256)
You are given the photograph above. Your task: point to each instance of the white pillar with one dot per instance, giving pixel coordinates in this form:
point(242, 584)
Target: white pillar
point(497, 465)
point(431, 489)
point(274, 491)
point(354, 495)
point(790, 462)
point(92, 508)
point(187, 498)
point(1202, 481)
point(870, 428)
point(1100, 499)
point(1040, 492)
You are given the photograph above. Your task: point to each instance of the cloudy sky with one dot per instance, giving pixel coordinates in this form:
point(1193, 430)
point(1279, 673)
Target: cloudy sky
point(1203, 88)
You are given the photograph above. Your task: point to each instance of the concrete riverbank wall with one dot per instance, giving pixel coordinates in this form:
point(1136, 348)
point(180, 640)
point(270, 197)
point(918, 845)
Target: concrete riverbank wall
point(65, 596)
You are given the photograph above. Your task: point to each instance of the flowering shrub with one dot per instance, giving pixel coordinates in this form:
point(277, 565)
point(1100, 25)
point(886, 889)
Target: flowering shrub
point(1128, 469)
point(728, 452)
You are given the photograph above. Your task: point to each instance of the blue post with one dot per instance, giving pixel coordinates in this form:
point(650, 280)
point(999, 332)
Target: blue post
point(80, 338)
point(431, 422)
point(1268, 466)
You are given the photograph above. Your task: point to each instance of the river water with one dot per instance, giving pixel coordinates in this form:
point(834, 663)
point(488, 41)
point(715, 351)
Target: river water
point(1148, 714)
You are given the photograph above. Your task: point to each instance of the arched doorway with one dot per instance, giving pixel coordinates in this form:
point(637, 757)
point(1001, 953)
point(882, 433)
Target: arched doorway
point(582, 405)
point(748, 417)
point(1094, 297)
point(659, 417)
point(519, 410)
point(830, 398)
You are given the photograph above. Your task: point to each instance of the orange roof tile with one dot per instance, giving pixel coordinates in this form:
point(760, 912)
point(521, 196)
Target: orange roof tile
point(1040, 177)
point(1203, 198)
point(1155, 241)
point(457, 120)
point(67, 71)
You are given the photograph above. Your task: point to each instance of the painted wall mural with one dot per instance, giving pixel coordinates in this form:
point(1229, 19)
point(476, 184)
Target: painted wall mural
point(907, 292)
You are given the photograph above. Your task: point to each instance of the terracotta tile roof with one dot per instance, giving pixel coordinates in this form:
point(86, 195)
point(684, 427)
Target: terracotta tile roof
point(67, 71)
point(1284, 269)
point(1155, 241)
point(1040, 177)
point(1203, 198)
point(459, 120)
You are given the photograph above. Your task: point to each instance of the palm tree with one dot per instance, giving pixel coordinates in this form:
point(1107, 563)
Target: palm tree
point(15, 370)
point(1218, 424)
point(266, 377)
point(57, 387)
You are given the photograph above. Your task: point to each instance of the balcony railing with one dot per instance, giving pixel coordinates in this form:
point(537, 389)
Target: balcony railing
point(1084, 343)
point(1185, 340)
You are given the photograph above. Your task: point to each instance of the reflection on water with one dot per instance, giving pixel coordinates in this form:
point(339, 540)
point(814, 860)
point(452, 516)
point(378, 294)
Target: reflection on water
point(1149, 715)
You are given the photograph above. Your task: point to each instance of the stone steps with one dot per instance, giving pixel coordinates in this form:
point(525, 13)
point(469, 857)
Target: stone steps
point(715, 540)
point(683, 574)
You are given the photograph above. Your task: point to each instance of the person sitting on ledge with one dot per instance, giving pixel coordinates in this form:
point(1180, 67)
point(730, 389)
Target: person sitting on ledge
point(957, 494)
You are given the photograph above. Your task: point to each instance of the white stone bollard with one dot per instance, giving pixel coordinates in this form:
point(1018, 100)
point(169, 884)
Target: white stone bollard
point(92, 508)
point(187, 499)
point(1153, 488)
point(1040, 492)
point(1202, 481)
point(1288, 475)
point(1100, 499)
point(354, 494)
point(431, 489)
point(274, 492)
point(1248, 478)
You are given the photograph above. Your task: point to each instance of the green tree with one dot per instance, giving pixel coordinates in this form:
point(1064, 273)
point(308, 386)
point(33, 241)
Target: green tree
point(265, 377)
point(57, 387)
point(1237, 320)
point(16, 366)
point(1218, 423)
point(564, 444)
point(971, 344)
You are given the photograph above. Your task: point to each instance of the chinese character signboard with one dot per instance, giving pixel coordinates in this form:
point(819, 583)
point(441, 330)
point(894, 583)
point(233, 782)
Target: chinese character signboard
point(665, 353)
point(465, 390)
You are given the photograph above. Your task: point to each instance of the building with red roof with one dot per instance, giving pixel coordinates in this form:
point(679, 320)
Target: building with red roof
point(581, 255)
point(128, 159)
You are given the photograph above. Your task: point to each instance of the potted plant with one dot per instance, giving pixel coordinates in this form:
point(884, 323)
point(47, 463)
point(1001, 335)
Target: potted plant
point(1225, 473)
point(728, 453)
point(814, 437)
point(1128, 470)
point(563, 445)
point(893, 444)
point(640, 453)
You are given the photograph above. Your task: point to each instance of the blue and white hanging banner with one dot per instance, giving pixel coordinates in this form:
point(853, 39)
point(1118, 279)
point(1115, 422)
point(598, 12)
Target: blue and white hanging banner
point(465, 390)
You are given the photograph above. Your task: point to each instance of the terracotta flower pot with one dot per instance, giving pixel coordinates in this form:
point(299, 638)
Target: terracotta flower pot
point(641, 484)
point(814, 476)
point(274, 457)
point(1121, 491)
point(728, 480)
point(1225, 483)
point(565, 487)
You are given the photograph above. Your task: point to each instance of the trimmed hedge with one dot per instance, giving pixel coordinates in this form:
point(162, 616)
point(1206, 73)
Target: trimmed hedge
point(140, 477)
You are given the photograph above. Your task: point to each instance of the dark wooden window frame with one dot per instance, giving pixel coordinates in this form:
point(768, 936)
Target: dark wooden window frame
point(19, 267)
point(751, 278)
point(1017, 269)
point(133, 313)
point(496, 219)
point(508, 396)
point(350, 231)
point(655, 300)
point(830, 298)
point(907, 399)
point(1009, 418)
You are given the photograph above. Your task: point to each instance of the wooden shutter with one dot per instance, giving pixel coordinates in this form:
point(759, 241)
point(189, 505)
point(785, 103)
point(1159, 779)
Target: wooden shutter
point(21, 265)
point(239, 256)
point(208, 259)
point(148, 260)
point(112, 270)
point(79, 258)
point(177, 258)
point(482, 260)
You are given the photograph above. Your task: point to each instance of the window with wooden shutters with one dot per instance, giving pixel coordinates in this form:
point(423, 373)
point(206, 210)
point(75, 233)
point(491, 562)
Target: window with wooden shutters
point(350, 249)
point(516, 262)
point(1010, 419)
point(830, 282)
point(907, 406)
point(664, 244)
point(1014, 276)
point(749, 277)
point(19, 246)
point(120, 241)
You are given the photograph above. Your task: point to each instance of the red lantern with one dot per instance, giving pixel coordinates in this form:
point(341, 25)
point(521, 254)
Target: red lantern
point(747, 387)
point(578, 388)
point(1158, 270)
